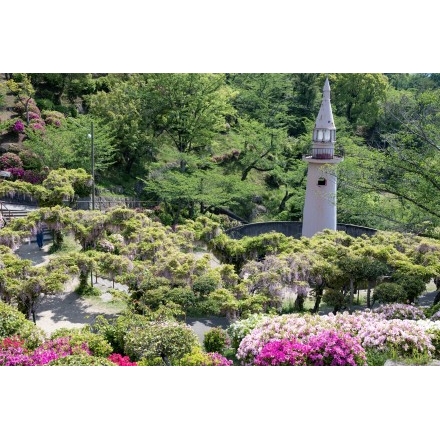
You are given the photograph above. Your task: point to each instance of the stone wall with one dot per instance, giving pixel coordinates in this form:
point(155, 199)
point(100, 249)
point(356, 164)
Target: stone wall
point(290, 229)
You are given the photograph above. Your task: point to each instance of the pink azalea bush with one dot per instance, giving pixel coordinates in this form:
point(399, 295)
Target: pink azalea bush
point(400, 311)
point(122, 361)
point(218, 360)
point(13, 351)
point(329, 348)
point(402, 336)
point(18, 126)
point(283, 352)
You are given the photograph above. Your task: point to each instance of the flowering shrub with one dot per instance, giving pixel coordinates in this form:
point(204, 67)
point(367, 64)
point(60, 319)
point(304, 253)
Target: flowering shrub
point(17, 173)
point(33, 177)
point(239, 329)
point(33, 115)
point(402, 337)
point(10, 160)
point(279, 327)
point(432, 329)
point(38, 125)
point(13, 352)
point(218, 360)
point(326, 348)
point(122, 361)
point(335, 348)
point(400, 311)
point(282, 352)
point(53, 117)
point(18, 126)
point(84, 339)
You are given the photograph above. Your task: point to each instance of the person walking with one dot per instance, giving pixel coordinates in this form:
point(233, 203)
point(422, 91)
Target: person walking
point(39, 236)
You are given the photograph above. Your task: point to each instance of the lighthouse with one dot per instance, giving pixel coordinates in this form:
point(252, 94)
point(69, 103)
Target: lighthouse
point(320, 202)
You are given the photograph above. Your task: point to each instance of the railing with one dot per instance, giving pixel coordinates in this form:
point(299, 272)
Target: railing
point(325, 153)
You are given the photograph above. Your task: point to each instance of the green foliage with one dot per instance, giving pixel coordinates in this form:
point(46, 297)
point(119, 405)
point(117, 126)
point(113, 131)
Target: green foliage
point(215, 340)
point(168, 340)
point(335, 298)
point(81, 360)
point(377, 357)
point(412, 284)
point(206, 283)
point(388, 292)
point(13, 322)
point(195, 358)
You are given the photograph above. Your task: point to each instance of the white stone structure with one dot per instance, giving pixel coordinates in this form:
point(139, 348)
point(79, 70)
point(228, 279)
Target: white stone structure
point(320, 202)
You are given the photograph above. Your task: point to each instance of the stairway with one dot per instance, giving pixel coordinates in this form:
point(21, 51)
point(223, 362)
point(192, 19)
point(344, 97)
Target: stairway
point(7, 214)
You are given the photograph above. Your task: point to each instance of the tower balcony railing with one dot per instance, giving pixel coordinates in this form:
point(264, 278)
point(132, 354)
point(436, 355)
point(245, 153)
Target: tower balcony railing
point(325, 153)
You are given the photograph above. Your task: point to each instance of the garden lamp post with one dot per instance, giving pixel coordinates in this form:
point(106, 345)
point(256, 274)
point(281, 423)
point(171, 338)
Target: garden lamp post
point(93, 164)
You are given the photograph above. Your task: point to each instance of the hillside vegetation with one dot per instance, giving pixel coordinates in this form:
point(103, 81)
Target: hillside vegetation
point(192, 144)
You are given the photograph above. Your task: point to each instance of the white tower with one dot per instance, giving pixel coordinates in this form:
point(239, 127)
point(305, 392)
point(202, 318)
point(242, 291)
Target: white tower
point(320, 202)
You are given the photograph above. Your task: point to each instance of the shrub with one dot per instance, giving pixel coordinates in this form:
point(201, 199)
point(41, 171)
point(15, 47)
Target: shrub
point(412, 285)
point(122, 361)
point(10, 160)
point(14, 323)
point(389, 293)
point(216, 340)
point(97, 344)
point(168, 340)
point(335, 298)
point(30, 160)
point(18, 126)
point(79, 360)
point(282, 352)
point(239, 329)
point(205, 284)
point(335, 348)
point(327, 348)
point(198, 358)
point(400, 311)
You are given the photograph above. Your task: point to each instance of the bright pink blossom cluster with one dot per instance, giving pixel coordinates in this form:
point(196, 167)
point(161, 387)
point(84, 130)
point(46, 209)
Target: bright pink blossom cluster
point(122, 361)
point(328, 348)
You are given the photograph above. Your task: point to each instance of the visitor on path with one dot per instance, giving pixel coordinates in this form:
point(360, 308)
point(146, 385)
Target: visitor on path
point(40, 237)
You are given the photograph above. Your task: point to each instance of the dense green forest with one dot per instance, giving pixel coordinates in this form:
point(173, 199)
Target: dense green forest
point(188, 144)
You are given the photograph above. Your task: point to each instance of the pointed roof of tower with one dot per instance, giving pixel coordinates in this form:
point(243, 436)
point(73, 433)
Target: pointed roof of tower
point(325, 115)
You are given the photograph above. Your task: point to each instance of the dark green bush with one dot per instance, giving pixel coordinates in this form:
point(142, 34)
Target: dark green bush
point(216, 340)
point(389, 293)
point(205, 284)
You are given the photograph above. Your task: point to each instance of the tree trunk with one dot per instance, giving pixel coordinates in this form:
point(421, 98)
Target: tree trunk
point(370, 285)
point(319, 293)
point(350, 304)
